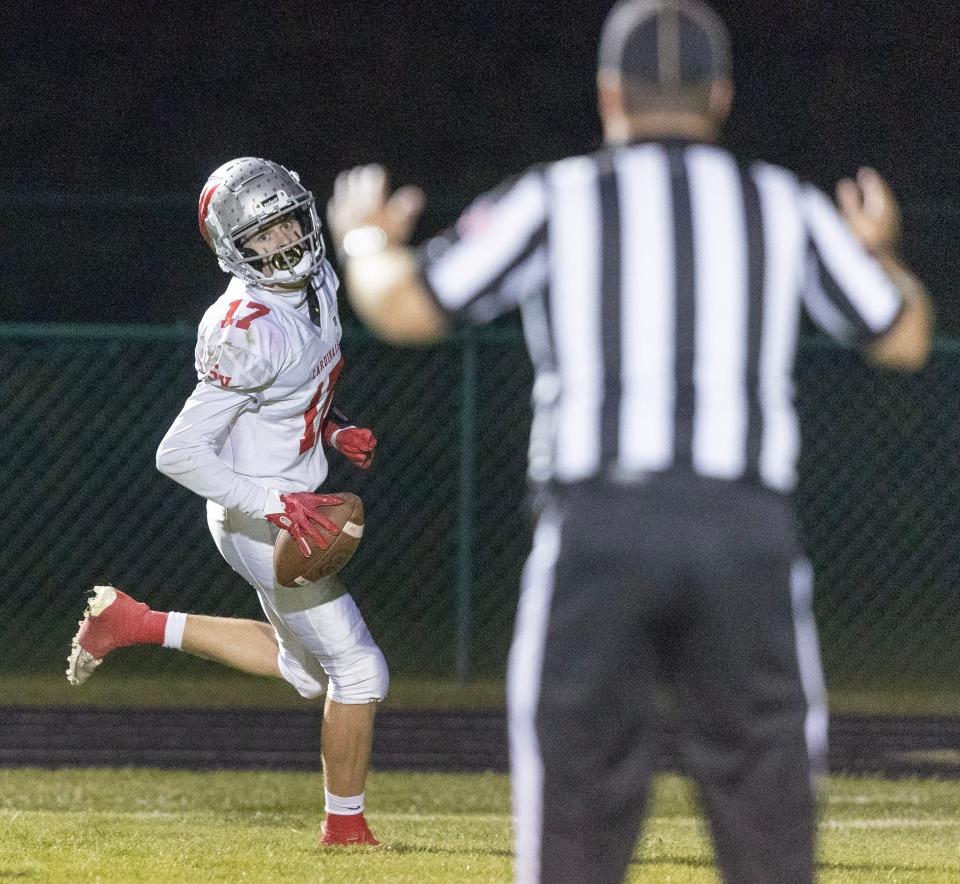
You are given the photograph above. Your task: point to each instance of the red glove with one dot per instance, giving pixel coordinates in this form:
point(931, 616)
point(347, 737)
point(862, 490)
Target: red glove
point(356, 444)
point(300, 517)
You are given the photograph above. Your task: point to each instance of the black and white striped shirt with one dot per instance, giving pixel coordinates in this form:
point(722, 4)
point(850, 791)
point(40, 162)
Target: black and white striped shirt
point(660, 286)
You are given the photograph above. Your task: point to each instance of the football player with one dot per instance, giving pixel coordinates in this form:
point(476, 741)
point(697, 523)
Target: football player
point(250, 440)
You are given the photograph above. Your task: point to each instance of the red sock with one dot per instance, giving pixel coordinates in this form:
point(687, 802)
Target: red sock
point(151, 629)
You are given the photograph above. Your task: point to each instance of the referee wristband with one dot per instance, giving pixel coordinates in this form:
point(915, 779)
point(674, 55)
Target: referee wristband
point(366, 240)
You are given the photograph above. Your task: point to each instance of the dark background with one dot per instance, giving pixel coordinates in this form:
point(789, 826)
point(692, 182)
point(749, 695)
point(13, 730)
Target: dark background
point(113, 116)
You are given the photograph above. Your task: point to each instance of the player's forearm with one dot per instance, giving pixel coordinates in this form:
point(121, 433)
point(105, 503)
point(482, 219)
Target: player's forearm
point(189, 452)
point(199, 468)
point(386, 293)
point(907, 345)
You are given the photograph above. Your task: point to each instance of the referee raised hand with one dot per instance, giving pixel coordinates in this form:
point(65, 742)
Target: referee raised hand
point(660, 283)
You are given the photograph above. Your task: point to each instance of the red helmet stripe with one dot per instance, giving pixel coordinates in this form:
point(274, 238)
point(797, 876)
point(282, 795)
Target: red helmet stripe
point(205, 198)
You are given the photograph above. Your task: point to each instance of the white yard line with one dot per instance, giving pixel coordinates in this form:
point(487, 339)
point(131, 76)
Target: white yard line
point(892, 823)
point(373, 813)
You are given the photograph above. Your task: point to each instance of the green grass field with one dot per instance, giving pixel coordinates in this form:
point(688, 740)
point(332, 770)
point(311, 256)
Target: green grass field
point(171, 826)
point(188, 682)
point(139, 825)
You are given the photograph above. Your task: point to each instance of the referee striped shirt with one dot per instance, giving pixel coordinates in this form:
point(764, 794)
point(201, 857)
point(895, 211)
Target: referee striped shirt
point(660, 286)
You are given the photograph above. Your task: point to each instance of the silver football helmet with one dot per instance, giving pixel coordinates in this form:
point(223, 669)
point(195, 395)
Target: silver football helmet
point(247, 195)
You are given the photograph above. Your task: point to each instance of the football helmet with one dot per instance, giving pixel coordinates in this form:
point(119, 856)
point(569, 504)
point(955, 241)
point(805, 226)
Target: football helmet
point(247, 195)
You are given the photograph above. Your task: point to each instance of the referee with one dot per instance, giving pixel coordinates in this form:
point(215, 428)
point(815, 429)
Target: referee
point(660, 284)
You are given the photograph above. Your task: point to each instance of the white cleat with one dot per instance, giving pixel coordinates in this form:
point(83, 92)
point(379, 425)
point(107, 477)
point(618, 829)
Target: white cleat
point(81, 663)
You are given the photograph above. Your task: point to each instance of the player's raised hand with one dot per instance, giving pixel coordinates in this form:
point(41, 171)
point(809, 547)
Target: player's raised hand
point(301, 518)
point(362, 199)
point(871, 210)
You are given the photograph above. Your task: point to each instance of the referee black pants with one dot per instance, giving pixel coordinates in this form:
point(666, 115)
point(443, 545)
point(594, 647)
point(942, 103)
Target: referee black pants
point(687, 587)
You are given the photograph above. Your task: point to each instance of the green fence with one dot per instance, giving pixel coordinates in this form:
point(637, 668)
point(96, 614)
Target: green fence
point(84, 408)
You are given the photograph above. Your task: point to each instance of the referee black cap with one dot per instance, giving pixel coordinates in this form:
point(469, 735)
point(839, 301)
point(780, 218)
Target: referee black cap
point(667, 44)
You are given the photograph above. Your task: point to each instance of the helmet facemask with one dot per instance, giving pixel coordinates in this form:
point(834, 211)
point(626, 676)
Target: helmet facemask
point(292, 264)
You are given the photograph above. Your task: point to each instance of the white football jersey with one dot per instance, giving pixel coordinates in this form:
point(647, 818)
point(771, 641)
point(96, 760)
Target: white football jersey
point(266, 375)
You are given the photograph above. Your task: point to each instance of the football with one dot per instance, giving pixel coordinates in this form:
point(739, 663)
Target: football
point(290, 565)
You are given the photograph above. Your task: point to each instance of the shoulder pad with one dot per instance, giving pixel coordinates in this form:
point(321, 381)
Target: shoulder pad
point(238, 345)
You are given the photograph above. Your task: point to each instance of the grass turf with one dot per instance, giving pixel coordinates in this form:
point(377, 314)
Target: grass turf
point(146, 826)
point(215, 687)
point(130, 681)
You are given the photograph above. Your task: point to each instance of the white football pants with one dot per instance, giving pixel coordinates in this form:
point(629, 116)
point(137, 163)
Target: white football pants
point(320, 630)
